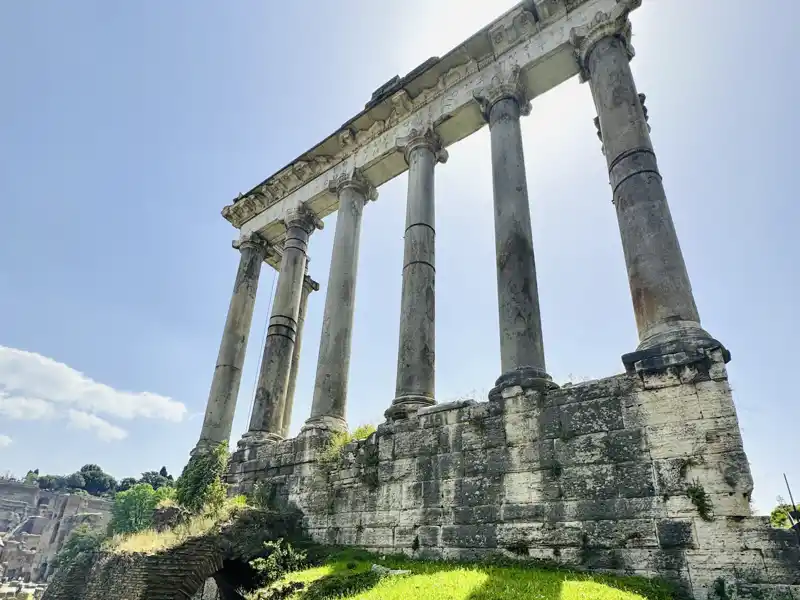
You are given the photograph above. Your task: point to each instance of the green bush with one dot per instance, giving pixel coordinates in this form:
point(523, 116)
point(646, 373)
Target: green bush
point(133, 509)
point(200, 485)
point(82, 539)
point(332, 452)
point(282, 558)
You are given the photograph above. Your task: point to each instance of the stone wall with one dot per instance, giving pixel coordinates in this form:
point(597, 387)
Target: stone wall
point(638, 473)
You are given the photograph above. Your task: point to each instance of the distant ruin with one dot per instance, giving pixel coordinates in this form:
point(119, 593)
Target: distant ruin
point(35, 523)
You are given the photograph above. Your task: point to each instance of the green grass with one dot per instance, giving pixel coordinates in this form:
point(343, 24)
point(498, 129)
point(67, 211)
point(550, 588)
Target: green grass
point(345, 575)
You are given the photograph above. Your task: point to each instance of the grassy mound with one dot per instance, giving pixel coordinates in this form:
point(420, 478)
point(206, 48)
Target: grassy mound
point(348, 575)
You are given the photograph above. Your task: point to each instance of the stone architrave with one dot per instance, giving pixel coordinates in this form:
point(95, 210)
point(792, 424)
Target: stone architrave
point(309, 285)
point(416, 354)
point(329, 406)
point(222, 397)
point(266, 422)
point(521, 347)
point(666, 314)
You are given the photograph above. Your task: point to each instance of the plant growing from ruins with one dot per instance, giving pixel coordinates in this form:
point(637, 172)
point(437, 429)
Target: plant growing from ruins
point(133, 509)
point(334, 450)
point(698, 496)
point(200, 485)
point(83, 539)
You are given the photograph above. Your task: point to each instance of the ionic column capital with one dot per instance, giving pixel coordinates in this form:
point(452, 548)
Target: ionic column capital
point(614, 23)
point(356, 180)
point(309, 285)
point(253, 240)
point(304, 218)
point(509, 85)
point(427, 138)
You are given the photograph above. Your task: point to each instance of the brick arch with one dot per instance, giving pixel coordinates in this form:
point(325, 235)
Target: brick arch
point(174, 574)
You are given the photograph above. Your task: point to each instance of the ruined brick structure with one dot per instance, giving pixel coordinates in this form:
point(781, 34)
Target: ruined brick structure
point(177, 573)
point(35, 523)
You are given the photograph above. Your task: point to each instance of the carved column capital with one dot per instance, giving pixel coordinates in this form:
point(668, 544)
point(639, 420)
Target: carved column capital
point(356, 180)
point(504, 86)
point(252, 240)
point(310, 285)
point(303, 218)
point(614, 23)
point(427, 138)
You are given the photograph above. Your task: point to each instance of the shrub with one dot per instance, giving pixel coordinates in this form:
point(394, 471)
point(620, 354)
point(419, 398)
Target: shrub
point(133, 509)
point(200, 485)
point(282, 559)
point(83, 539)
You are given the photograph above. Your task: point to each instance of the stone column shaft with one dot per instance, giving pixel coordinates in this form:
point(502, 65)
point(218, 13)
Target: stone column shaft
point(221, 405)
point(521, 346)
point(662, 296)
point(309, 285)
point(328, 410)
point(416, 356)
point(273, 380)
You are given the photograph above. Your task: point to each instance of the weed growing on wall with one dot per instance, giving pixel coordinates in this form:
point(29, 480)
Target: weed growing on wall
point(200, 485)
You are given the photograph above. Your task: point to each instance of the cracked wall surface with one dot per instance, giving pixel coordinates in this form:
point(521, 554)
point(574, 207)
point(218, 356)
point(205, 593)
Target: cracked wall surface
point(639, 474)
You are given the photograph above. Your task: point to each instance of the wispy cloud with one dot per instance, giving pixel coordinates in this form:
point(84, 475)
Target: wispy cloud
point(5, 441)
point(34, 387)
point(100, 427)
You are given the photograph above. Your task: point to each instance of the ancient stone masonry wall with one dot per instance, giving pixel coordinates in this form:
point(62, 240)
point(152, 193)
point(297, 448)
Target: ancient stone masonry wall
point(641, 474)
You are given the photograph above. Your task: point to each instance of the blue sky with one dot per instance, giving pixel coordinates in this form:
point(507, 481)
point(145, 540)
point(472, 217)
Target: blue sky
point(126, 127)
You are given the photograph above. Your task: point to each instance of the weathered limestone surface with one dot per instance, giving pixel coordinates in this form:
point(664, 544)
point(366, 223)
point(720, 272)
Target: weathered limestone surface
point(309, 285)
point(521, 347)
point(329, 406)
point(266, 421)
point(221, 405)
point(595, 475)
point(416, 355)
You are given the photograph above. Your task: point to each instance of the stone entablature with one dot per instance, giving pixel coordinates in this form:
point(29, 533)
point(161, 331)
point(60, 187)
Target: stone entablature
point(533, 37)
point(597, 475)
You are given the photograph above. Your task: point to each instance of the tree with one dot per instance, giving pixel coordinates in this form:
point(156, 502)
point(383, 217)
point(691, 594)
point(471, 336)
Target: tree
point(53, 483)
point(133, 509)
point(126, 484)
point(82, 539)
point(155, 479)
point(779, 517)
point(163, 472)
point(76, 481)
point(31, 476)
point(97, 481)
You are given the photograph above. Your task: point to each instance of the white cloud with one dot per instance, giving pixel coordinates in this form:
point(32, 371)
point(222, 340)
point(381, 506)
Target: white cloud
point(31, 375)
point(5, 441)
point(21, 408)
point(100, 427)
point(34, 387)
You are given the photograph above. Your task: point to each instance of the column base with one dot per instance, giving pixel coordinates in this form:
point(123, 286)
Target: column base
point(405, 406)
point(676, 353)
point(524, 377)
point(325, 423)
point(204, 447)
point(248, 447)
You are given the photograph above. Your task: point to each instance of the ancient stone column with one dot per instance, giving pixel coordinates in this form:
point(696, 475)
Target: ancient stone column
point(228, 371)
point(266, 422)
point(666, 313)
point(521, 347)
point(417, 348)
point(333, 366)
point(309, 285)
